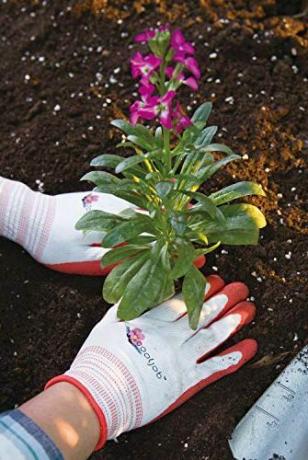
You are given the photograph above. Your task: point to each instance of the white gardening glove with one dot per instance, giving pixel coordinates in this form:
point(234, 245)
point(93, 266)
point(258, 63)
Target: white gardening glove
point(137, 371)
point(45, 226)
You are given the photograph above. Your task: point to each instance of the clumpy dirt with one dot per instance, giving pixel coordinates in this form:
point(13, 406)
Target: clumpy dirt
point(73, 56)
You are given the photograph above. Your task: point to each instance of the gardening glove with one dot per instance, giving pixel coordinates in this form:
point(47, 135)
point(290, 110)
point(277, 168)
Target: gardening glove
point(45, 226)
point(137, 371)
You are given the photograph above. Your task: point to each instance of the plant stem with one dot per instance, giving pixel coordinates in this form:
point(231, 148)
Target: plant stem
point(162, 78)
point(167, 151)
point(148, 163)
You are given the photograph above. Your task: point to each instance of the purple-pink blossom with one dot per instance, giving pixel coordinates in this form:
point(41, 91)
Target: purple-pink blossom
point(190, 63)
point(180, 46)
point(180, 77)
point(145, 109)
point(165, 109)
point(181, 120)
point(145, 36)
point(144, 65)
point(146, 88)
point(150, 34)
point(153, 106)
point(157, 93)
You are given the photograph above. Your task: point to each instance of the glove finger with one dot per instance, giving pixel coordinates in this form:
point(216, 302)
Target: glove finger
point(206, 340)
point(174, 308)
point(216, 307)
point(200, 261)
point(226, 362)
point(88, 263)
point(215, 368)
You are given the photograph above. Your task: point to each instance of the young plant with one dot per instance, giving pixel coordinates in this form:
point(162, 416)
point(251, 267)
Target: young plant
point(173, 223)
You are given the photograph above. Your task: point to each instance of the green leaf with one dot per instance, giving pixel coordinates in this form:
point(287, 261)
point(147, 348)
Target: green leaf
point(122, 252)
point(219, 148)
point(193, 292)
point(191, 133)
point(202, 113)
point(120, 276)
point(165, 257)
point(153, 176)
point(203, 251)
point(159, 133)
point(142, 240)
point(206, 137)
point(206, 204)
point(241, 225)
point(140, 142)
point(106, 160)
point(127, 230)
point(144, 290)
point(195, 160)
point(234, 191)
point(129, 162)
point(140, 134)
point(244, 209)
point(207, 171)
point(178, 222)
point(124, 126)
point(186, 255)
point(101, 179)
point(99, 221)
point(131, 196)
point(164, 188)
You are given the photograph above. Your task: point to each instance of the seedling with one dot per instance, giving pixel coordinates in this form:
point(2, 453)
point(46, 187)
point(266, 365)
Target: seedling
point(173, 222)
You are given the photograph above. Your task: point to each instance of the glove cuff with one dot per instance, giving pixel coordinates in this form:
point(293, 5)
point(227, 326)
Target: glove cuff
point(25, 216)
point(111, 385)
point(97, 410)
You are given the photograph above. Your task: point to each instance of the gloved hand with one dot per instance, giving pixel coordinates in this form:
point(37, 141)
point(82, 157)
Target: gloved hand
point(45, 226)
point(135, 372)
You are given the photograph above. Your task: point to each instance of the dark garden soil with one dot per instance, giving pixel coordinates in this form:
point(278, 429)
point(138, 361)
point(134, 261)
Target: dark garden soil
point(75, 55)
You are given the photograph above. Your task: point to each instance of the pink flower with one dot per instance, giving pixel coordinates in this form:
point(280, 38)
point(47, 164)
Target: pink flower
point(181, 120)
point(165, 109)
point(144, 65)
point(146, 109)
point(190, 63)
point(145, 36)
point(153, 106)
point(150, 34)
point(146, 88)
point(190, 81)
point(136, 335)
point(180, 45)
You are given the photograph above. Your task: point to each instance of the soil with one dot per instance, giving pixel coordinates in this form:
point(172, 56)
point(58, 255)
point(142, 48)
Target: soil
point(75, 55)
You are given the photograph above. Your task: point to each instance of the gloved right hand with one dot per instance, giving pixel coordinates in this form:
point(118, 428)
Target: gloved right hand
point(135, 372)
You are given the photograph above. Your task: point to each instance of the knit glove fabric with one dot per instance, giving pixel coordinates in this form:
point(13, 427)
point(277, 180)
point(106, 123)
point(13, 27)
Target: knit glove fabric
point(137, 371)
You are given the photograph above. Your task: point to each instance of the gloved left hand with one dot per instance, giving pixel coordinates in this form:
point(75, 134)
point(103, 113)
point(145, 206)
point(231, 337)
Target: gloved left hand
point(44, 225)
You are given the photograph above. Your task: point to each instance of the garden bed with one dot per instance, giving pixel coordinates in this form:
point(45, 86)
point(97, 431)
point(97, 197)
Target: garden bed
point(63, 76)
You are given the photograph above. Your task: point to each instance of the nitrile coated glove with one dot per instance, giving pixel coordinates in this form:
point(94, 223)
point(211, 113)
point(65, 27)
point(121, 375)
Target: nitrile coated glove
point(45, 226)
point(137, 371)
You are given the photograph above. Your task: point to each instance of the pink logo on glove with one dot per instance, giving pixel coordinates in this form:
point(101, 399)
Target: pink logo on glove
point(135, 336)
point(88, 200)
